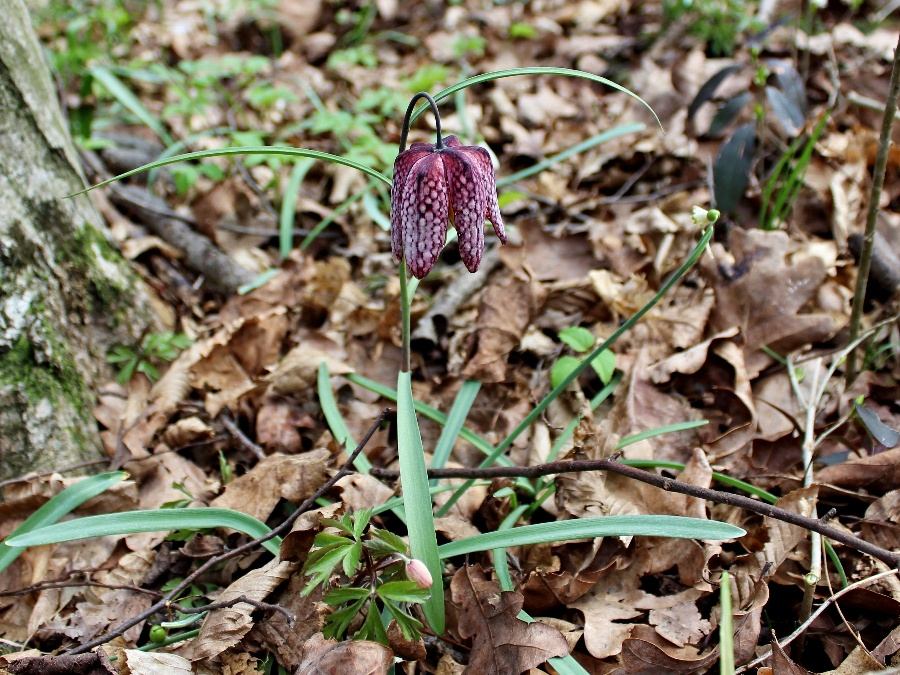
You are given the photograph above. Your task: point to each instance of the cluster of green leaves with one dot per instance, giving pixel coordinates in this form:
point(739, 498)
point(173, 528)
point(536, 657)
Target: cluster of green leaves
point(581, 340)
point(773, 107)
point(82, 31)
point(718, 23)
point(154, 348)
point(372, 577)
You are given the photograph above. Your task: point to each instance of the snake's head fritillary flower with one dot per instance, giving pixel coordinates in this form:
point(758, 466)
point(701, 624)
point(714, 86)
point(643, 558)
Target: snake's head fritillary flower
point(437, 185)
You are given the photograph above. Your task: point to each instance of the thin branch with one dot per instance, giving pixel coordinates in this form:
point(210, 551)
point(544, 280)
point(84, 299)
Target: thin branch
point(222, 604)
point(670, 485)
point(63, 583)
point(812, 617)
point(241, 437)
point(285, 526)
point(865, 258)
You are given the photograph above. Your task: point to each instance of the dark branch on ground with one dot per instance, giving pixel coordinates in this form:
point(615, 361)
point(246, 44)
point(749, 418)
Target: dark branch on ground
point(668, 484)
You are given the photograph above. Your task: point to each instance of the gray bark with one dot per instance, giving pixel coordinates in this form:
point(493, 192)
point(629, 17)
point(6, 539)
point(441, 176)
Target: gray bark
point(66, 295)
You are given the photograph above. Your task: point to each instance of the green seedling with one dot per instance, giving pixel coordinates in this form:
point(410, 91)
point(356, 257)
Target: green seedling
point(155, 347)
point(581, 340)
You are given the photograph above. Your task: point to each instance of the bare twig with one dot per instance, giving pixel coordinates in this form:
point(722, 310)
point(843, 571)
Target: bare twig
point(285, 526)
point(812, 617)
point(242, 438)
point(669, 484)
point(76, 583)
point(222, 604)
point(865, 258)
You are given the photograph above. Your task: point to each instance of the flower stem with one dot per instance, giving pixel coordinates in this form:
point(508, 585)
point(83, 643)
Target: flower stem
point(405, 301)
point(439, 143)
point(865, 256)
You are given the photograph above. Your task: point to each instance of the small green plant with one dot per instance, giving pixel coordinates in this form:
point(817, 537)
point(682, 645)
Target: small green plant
point(581, 340)
point(377, 576)
point(774, 107)
point(520, 30)
point(155, 347)
point(718, 23)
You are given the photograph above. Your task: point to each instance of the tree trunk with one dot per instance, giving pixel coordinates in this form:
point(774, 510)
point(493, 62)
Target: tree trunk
point(66, 295)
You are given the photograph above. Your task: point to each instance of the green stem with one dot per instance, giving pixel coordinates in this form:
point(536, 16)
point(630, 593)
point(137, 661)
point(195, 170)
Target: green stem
point(405, 302)
point(865, 256)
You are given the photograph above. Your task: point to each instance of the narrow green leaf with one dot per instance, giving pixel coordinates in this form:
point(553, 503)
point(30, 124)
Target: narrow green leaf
point(576, 149)
point(245, 150)
point(533, 70)
point(126, 97)
point(426, 411)
point(56, 507)
point(677, 527)
point(336, 421)
point(289, 207)
point(160, 520)
point(625, 441)
point(726, 628)
point(465, 397)
point(417, 500)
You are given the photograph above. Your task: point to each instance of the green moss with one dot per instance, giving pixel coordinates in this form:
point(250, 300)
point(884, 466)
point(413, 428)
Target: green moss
point(91, 255)
point(57, 379)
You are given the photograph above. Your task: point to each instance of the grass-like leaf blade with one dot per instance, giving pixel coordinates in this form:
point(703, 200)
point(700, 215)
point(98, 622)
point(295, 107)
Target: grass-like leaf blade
point(417, 500)
point(156, 520)
point(56, 507)
point(678, 527)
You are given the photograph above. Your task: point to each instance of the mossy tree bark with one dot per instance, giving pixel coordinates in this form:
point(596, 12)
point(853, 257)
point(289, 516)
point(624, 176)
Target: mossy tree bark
point(66, 295)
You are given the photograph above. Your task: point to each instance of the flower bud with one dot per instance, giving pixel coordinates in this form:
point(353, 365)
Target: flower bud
point(417, 572)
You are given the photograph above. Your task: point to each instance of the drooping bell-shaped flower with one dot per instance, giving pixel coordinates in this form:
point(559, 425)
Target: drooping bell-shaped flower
point(439, 184)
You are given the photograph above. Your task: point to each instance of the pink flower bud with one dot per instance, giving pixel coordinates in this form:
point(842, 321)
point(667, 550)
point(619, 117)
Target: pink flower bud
point(418, 573)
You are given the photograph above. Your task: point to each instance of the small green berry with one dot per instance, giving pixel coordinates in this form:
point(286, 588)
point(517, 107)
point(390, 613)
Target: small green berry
point(158, 634)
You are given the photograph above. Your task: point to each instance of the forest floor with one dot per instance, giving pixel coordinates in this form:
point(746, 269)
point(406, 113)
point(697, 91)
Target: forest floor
point(739, 370)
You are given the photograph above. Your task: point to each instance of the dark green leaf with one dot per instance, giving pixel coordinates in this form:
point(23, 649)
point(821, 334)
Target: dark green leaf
point(731, 171)
point(402, 591)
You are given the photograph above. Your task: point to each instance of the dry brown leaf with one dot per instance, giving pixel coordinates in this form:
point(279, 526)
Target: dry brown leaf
point(881, 525)
point(289, 477)
point(762, 284)
point(353, 657)
point(298, 369)
point(156, 663)
point(876, 473)
point(506, 309)
point(286, 641)
point(501, 643)
point(224, 628)
point(782, 663)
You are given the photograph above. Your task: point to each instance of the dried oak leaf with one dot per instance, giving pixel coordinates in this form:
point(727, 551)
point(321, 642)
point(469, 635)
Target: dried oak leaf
point(353, 657)
point(290, 477)
point(762, 283)
point(224, 628)
point(501, 643)
point(507, 307)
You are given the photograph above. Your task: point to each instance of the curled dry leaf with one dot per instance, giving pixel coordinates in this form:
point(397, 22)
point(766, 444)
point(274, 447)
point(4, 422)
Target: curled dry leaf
point(353, 657)
point(290, 477)
point(224, 628)
point(501, 642)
